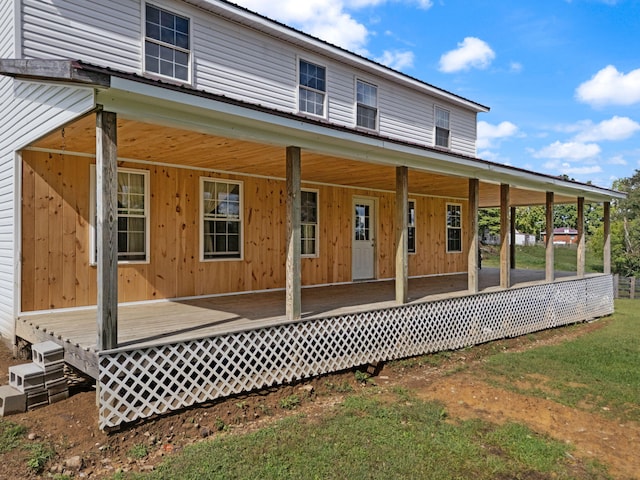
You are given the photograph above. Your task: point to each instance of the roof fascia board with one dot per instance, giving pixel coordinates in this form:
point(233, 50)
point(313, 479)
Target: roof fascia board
point(154, 104)
point(273, 28)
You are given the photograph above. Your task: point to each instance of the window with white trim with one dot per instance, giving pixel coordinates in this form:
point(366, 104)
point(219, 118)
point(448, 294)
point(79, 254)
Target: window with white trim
point(133, 215)
point(443, 132)
point(221, 219)
point(309, 223)
point(166, 43)
point(411, 226)
point(454, 228)
point(366, 105)
point(312, 88)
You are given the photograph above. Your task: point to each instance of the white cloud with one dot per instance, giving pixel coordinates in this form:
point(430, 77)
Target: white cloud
point(617, 160)
point(396, 59)
point(616, 128)
point(565, 168)
point(487, 133)
point(515, 67)
point(570, 151)
point(610, 87)
point(471, 53)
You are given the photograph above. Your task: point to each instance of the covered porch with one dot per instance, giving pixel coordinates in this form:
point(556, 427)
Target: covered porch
point(148, 324)
point(175, 323)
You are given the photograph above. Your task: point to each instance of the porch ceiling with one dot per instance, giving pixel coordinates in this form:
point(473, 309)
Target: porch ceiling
point(138, 141)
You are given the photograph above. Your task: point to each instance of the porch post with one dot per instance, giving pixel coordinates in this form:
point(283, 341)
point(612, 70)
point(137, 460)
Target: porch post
point(512, 243)
point(474, 244)
point(402, 240)
point(549, 255)
point(505, 222)
point(581, 254)
point(607, 239)
point(107, 231)
point(293, 267)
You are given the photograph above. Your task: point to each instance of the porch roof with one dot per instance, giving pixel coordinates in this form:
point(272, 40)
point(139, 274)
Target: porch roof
point(182, 113)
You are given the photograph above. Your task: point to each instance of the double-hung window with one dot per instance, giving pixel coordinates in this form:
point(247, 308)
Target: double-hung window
point(312, 88)
point(166, 43)
point(309, 223)
point(411, 226)
point(454, 228)
point(366, 105)
point(443, 132)
point(221, 220)
point(133, 215)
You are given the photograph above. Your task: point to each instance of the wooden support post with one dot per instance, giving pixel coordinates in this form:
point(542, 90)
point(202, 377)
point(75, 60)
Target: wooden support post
point(512, 243)
point(402, 240)
point(581, 254)
point(107, 229)
point(549, 255)
point(293, 266)
point(474, 243)
point(505, 223)
point(607, 239)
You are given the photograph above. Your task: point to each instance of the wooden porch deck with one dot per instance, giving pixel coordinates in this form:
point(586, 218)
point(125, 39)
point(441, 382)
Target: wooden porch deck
point(155, 323)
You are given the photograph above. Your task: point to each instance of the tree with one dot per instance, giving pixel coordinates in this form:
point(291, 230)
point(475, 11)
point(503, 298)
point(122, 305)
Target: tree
point(625, 229)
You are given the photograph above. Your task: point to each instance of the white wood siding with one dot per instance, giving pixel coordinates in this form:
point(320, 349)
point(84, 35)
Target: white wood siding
point(6, 30)
point(102, 33)
point(231, 60)
point(34, 109)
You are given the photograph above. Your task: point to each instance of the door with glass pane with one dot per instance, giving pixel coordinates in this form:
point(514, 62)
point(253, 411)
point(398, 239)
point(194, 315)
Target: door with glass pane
point(363, 239)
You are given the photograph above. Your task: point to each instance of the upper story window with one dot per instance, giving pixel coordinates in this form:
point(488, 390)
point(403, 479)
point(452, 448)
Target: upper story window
point(166, 43)
point(411, 226)
point(313, 87)
point(309, 223)
point(367, 105)
point(133, 215)
point(443, 133)
point(221, 220)
point(454, 228)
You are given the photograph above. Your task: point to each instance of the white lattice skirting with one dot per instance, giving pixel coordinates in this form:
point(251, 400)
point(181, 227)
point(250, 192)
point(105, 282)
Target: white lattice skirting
point(139, 383)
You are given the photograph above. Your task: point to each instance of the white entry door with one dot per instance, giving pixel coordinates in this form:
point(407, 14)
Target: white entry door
point(364, 239)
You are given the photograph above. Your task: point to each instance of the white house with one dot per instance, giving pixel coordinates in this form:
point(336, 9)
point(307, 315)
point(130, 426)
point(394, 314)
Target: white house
point(162, 152)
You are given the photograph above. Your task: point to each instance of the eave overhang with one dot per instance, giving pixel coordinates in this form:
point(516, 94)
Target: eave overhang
point(149, 100)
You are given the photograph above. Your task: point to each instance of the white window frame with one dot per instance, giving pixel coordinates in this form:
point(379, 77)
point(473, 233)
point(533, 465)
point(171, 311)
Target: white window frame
point(436, 126)
point(366, 106)
point(316, 253)
point(240, 220)
point(451, 228)
point(188, 51)
point(93, 231)
point(311, 89)
point(412, 225)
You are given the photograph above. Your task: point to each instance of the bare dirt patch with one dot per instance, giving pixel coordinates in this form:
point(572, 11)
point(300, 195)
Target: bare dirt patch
point(70, 427)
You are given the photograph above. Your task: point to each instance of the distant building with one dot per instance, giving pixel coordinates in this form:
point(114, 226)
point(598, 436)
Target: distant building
point(562, 236)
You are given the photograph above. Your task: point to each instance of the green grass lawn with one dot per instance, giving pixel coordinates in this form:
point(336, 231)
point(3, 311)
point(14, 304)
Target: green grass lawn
point(369, 438)
point(533, 258)
point(598, 372)
point(397, 436)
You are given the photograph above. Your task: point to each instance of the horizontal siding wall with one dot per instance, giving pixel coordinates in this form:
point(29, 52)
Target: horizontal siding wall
point(34, 109)
point(56, 271)
point(232, 60)
point(102, 33)
point(6, 30)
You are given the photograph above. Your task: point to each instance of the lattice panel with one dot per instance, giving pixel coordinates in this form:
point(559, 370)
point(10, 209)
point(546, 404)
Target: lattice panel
point(139, 383)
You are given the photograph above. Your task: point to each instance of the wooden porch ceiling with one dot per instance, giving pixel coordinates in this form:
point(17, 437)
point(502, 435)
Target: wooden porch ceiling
point(154, 143)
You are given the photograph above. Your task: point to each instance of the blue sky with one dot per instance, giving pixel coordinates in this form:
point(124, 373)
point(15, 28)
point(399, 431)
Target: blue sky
point(562, 77)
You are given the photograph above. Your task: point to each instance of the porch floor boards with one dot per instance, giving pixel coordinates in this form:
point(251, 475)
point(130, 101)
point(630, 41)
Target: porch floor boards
point(146, 324)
